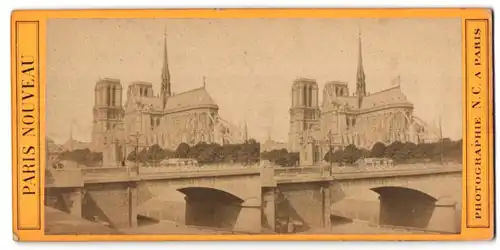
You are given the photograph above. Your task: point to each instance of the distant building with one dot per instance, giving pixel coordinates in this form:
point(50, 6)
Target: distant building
point(72, 144)
point(361, 119)
point(53, 150)
point(53, 147)
point(270, 145)
point(146, 118)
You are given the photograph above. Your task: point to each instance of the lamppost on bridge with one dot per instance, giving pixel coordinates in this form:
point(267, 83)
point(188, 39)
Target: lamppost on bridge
point(441, 138)
point(330, 152)
point(136, 135)
point(135, 142)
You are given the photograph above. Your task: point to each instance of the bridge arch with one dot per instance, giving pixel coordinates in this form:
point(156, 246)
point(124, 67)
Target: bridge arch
point(211, 207)
point(402, 206)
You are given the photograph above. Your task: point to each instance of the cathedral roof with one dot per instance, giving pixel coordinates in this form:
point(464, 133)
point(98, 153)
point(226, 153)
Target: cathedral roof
point(392, 95)
point(350, 101)
point(192, 98)
point(151, 101)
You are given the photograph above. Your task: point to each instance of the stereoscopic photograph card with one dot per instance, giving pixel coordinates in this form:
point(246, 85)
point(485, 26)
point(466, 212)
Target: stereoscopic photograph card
point(262, 124)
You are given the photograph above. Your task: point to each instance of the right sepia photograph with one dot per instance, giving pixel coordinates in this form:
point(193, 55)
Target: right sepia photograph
point(254, 126)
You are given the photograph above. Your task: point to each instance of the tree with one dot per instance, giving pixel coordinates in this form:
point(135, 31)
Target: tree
point(82, 156)
point(281, 157)
point(336, 156)
point(77, 155)
point(409, 151)
point(131, 156)
point(93, 158)
point(229, 153)
point(217, 154)
point(208, 153)
point(252, 141)
point(293, 158)
point(247, 152)
point(195, 151)
point(156, 153)
point(454, 153)
point(392, 150)
point(351, 154)
point(143, 155)
point(254, 150)
point(365, 153)
point(182, 150)
point(378, 150)
point(328, 156)
point(424, 150)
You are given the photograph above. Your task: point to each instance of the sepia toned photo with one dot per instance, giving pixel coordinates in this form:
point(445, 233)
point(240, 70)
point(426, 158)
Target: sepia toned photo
point(253, 126)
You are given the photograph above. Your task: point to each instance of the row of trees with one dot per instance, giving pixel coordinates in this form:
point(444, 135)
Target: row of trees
point(150, 155)
point(348, 155)
point(281, 157)
point(249, 152)
point(204, 153)
point(82, 156)
point(445, 150)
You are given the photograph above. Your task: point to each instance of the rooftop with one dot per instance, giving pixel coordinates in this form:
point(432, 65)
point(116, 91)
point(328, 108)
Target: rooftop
point(109, 79)
point(140, 83)
point(336, 83)
point(392, 95)
point(194, 97)
point(304, 80)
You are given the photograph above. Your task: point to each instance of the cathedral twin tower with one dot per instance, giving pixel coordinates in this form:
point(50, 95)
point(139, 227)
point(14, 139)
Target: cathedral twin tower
point(305, 112)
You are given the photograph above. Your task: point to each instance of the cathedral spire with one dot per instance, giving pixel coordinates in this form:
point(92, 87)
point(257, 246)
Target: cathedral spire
point(360, 75)
point(69, 144)
point(360, 56)
point(71, 131)
point(165, 73)
point(246, 132)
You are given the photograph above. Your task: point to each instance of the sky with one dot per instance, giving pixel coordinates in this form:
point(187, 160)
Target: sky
point(250, 64)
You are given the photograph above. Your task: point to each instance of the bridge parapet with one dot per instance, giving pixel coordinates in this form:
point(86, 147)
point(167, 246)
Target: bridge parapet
point(354, 173)
point(323, 171)
point(55, 178)
point(270, 173)
point(273, 175)
point(109, 170)
point(133, 173)
point(203, 168)
point(164, 169)
point(400, 167)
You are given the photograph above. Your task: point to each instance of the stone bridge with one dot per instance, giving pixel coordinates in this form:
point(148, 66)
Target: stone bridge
point(253, 198)
point(225, 199)
point(427, 197)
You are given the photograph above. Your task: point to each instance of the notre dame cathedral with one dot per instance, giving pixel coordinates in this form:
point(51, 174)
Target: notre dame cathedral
point(342, 118)
point(146, 118)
